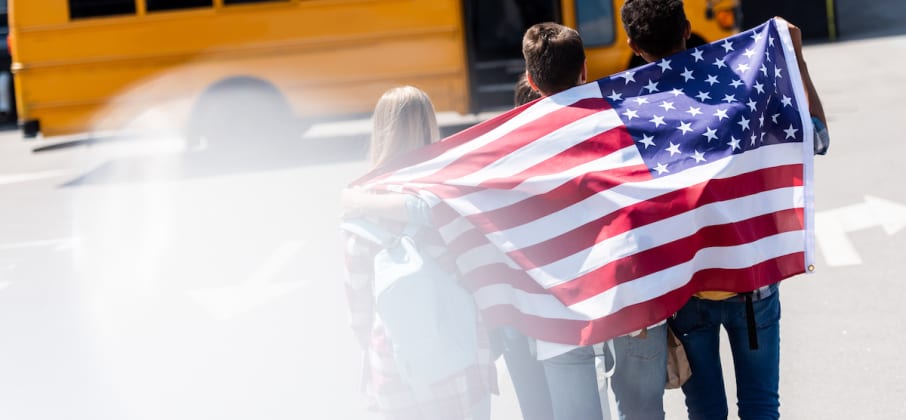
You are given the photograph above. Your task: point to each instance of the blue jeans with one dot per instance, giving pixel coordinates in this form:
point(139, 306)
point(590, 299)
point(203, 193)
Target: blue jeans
point(638, 380)
point(697, 325)
point(640, 375)
point(527, 374)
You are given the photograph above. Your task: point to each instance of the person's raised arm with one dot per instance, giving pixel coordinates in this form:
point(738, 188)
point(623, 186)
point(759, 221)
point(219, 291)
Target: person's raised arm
point(397, 207)
point(814, 101)
point(357, 203)
point(815, 109)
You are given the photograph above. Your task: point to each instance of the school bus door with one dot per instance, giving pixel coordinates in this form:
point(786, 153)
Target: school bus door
point(606, 49)
point(494, 32)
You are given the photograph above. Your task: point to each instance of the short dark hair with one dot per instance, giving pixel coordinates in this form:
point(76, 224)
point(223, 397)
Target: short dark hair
point(554, 56)
point(524, 93)
point(656, 27)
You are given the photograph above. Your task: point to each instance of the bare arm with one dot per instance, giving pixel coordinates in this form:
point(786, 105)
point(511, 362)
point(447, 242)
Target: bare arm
point(814, 101)
point(384, 206)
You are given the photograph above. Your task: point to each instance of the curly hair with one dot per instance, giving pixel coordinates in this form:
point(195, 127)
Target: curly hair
point(655, 26)
point(554, 56)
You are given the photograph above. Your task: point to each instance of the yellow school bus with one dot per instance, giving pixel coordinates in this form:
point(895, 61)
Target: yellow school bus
point(215, 66)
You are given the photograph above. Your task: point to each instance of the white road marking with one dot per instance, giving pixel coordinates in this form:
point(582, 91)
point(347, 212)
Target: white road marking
point(59, 243)
point(832, 227)
point(30, 176)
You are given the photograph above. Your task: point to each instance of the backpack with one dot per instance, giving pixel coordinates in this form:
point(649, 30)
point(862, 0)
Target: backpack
point(430, 319)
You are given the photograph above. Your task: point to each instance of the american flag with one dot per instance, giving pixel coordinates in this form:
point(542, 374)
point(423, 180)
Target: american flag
point(600, 210)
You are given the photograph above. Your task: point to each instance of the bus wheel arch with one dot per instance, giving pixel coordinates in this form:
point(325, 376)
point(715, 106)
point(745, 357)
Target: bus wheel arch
point(239, 112)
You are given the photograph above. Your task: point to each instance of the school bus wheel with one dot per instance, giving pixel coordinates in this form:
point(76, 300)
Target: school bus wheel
point(243, 113)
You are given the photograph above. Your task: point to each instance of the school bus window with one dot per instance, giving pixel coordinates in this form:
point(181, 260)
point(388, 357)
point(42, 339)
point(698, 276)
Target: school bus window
point(91, 8)
point(159, 5)
point(228, 2)
point(595, 22)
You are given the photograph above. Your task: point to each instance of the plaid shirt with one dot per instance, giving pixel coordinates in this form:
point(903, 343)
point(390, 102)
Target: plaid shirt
point(451, 398)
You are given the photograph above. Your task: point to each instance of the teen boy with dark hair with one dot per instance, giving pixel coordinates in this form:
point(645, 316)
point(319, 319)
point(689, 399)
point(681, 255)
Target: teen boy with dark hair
point(554, 58)
point(656, 29)
point(555, 61)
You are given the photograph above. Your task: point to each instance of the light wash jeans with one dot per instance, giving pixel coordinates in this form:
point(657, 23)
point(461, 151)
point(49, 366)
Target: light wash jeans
point(640, 375)
point(638, 379)
point(526, 372)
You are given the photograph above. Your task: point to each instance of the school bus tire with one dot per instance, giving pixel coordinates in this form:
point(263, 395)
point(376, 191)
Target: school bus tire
point(31, 128)
point(239, 113)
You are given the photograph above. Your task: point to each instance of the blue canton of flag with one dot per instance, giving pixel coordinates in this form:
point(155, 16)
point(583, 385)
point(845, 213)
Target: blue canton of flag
point(706, 103)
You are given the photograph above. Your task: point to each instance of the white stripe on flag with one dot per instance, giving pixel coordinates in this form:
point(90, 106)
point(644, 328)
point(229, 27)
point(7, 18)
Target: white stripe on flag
point(481, 256)
point(608, 201)
point(666, 231)
point(455, 228)
point(658, 284)
point(543, 148)
point(493, 199)
point(536, 111)
point(545, 306)
point(644, 288)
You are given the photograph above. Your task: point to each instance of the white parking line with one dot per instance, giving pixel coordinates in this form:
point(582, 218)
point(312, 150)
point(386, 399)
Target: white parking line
point(30, 176)
point(59, 243)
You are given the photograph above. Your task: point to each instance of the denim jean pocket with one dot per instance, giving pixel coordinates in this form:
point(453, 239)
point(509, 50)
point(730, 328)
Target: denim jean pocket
point(767, 311)
point(650, 347)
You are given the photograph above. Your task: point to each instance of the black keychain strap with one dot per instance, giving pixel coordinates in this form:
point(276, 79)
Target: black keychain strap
point(750, 322)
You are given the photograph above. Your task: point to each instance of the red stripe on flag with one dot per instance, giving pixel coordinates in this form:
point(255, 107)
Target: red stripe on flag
point(646, 313)
point(538, 206)
point(655, 209)
point(514, 140)
point(737, 280)
point(434, 150)
point(472, 238)
point(442, 214)
point(589, 150)
point(675, 253)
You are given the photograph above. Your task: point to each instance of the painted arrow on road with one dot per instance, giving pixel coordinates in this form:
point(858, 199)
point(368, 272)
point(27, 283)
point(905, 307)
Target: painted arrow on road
point(227, 302)
point(832, 227)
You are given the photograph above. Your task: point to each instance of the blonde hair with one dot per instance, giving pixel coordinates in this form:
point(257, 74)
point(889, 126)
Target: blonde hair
point(403, 120)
